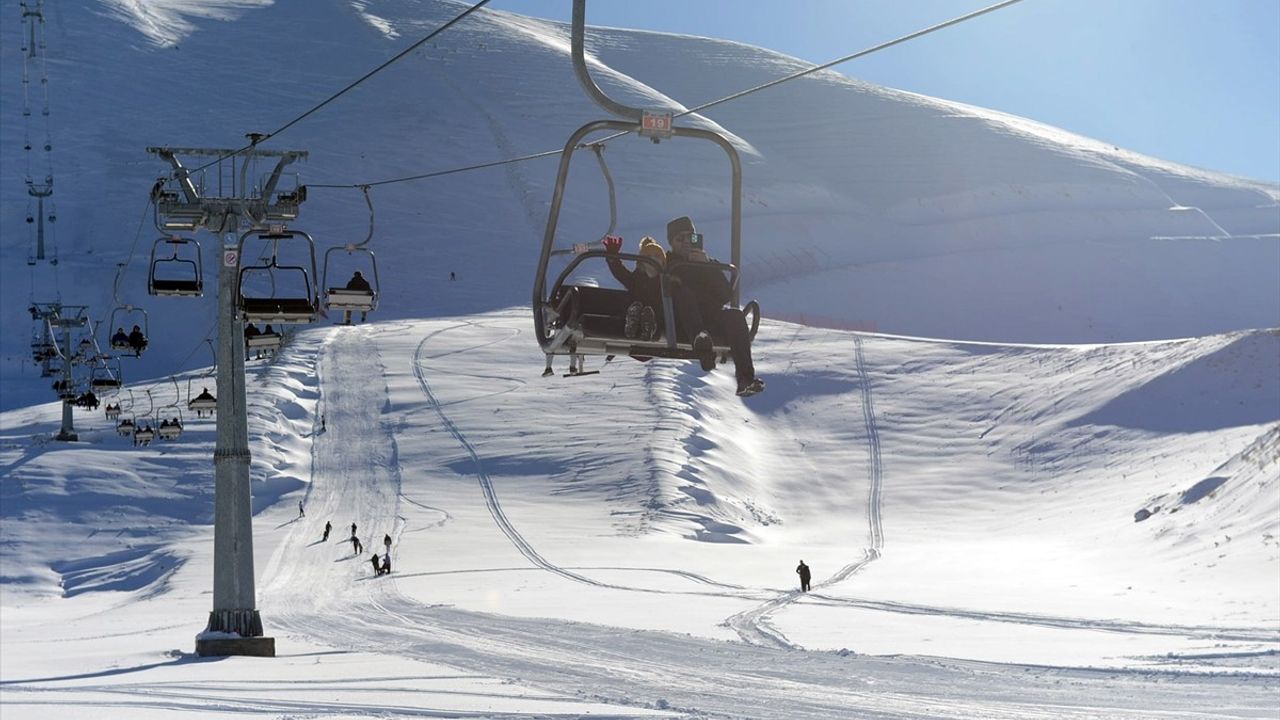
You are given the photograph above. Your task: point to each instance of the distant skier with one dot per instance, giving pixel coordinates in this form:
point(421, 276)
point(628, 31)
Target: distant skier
point(452, 275)
point(327, 527)
point(377, 569)
point(356, 547)
point(386, 564)
point(386, 540)
point(803, 571)
point(322, 427)
point(301, 513)
point(353, 529)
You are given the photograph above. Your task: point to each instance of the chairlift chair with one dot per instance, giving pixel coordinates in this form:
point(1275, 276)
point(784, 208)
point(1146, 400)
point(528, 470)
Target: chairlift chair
point(171, 430)
point(181, 273)
point(170, 427)
point(302, 305)
point(577, 319)
point(128, 316)
point(101, 376)
point(342, 298)
point(112, 412)
point(205, 403)
point(126, 426)
point(143, 434)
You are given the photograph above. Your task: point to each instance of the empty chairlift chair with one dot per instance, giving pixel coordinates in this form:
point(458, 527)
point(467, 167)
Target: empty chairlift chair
point(276, 292)
point(176, 268)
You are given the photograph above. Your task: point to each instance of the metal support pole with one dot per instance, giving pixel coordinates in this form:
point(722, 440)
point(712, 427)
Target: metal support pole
point(39, 222)
point(68, 431)
point(235, 627)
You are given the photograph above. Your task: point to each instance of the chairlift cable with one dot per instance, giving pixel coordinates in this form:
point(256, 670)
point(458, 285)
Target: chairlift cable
point(852, 56)
point(549, 153)
point(258, 140)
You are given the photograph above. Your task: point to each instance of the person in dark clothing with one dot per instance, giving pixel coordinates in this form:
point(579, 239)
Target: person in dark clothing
point(643, 283)
point(327, 528)
point(699, 293)
point(356, 546)
point(301, 513)
point(386, 563)
point(386, 540)
point(377, 569)
point(137, 340)
point(250, 331)
point(357, 282)
point(120, 339)
point(353, 529)
point(803, 571)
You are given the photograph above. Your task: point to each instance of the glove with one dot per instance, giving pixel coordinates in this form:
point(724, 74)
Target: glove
point(612, 243)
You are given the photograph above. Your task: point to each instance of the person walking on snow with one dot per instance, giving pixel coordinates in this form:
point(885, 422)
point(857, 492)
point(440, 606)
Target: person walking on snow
point(377, 570)
point(386, 564)
point(301, 512)
point(803, 571)
point(356, 546)
point(327, 528)
point(386, 540)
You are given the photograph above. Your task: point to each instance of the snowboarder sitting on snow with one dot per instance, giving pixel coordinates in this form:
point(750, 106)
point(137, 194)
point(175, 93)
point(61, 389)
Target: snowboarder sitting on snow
point(698, 294)
point(643, 283)
point(803, 571)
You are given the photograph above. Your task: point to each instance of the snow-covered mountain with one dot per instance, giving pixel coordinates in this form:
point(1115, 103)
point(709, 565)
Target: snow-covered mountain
point(1022, 420)
point(865, 207)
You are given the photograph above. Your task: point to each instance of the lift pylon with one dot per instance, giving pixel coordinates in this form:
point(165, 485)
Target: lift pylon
point(234, 626)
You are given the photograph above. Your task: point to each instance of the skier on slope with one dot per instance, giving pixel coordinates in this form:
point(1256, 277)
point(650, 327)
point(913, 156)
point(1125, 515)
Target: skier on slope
point(327, 527)
point(377, 569)
point(803, 571)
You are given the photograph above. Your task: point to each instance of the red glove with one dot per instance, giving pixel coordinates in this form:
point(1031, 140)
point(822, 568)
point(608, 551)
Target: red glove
point(612, 243)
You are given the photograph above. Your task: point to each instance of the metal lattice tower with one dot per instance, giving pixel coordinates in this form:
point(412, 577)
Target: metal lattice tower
point(33, 53)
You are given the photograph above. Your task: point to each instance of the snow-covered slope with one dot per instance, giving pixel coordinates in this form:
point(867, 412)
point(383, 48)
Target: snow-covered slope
point(600, 538)
point(865, 207)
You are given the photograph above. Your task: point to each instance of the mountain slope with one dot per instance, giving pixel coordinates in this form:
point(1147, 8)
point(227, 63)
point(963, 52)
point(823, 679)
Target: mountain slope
point(888, 210)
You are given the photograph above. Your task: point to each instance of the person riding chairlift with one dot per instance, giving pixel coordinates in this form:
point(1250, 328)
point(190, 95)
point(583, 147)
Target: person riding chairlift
point(699, 294)
point(357, 282)
point(137, 341)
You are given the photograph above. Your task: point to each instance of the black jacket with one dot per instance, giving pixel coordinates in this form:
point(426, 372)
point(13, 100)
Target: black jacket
point(642, 287)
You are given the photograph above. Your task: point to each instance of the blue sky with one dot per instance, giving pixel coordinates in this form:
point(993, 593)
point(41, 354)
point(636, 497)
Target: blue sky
point(1192, 81)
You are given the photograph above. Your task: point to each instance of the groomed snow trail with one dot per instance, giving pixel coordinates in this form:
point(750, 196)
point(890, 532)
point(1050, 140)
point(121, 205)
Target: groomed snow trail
point(318, 590)
point(753, 625)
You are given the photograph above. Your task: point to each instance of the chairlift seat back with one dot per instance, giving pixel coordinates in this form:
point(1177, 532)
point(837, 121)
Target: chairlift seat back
point(177, 287)
point(596, 327)
point(278, 310)
point(344, 299)
point(265, 340)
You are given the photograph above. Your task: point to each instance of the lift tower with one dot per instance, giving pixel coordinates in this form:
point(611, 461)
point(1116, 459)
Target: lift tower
point(234, 626)
point(56, 316)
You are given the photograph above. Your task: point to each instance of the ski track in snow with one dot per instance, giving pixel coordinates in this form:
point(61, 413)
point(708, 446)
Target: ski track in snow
point(753, 625)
